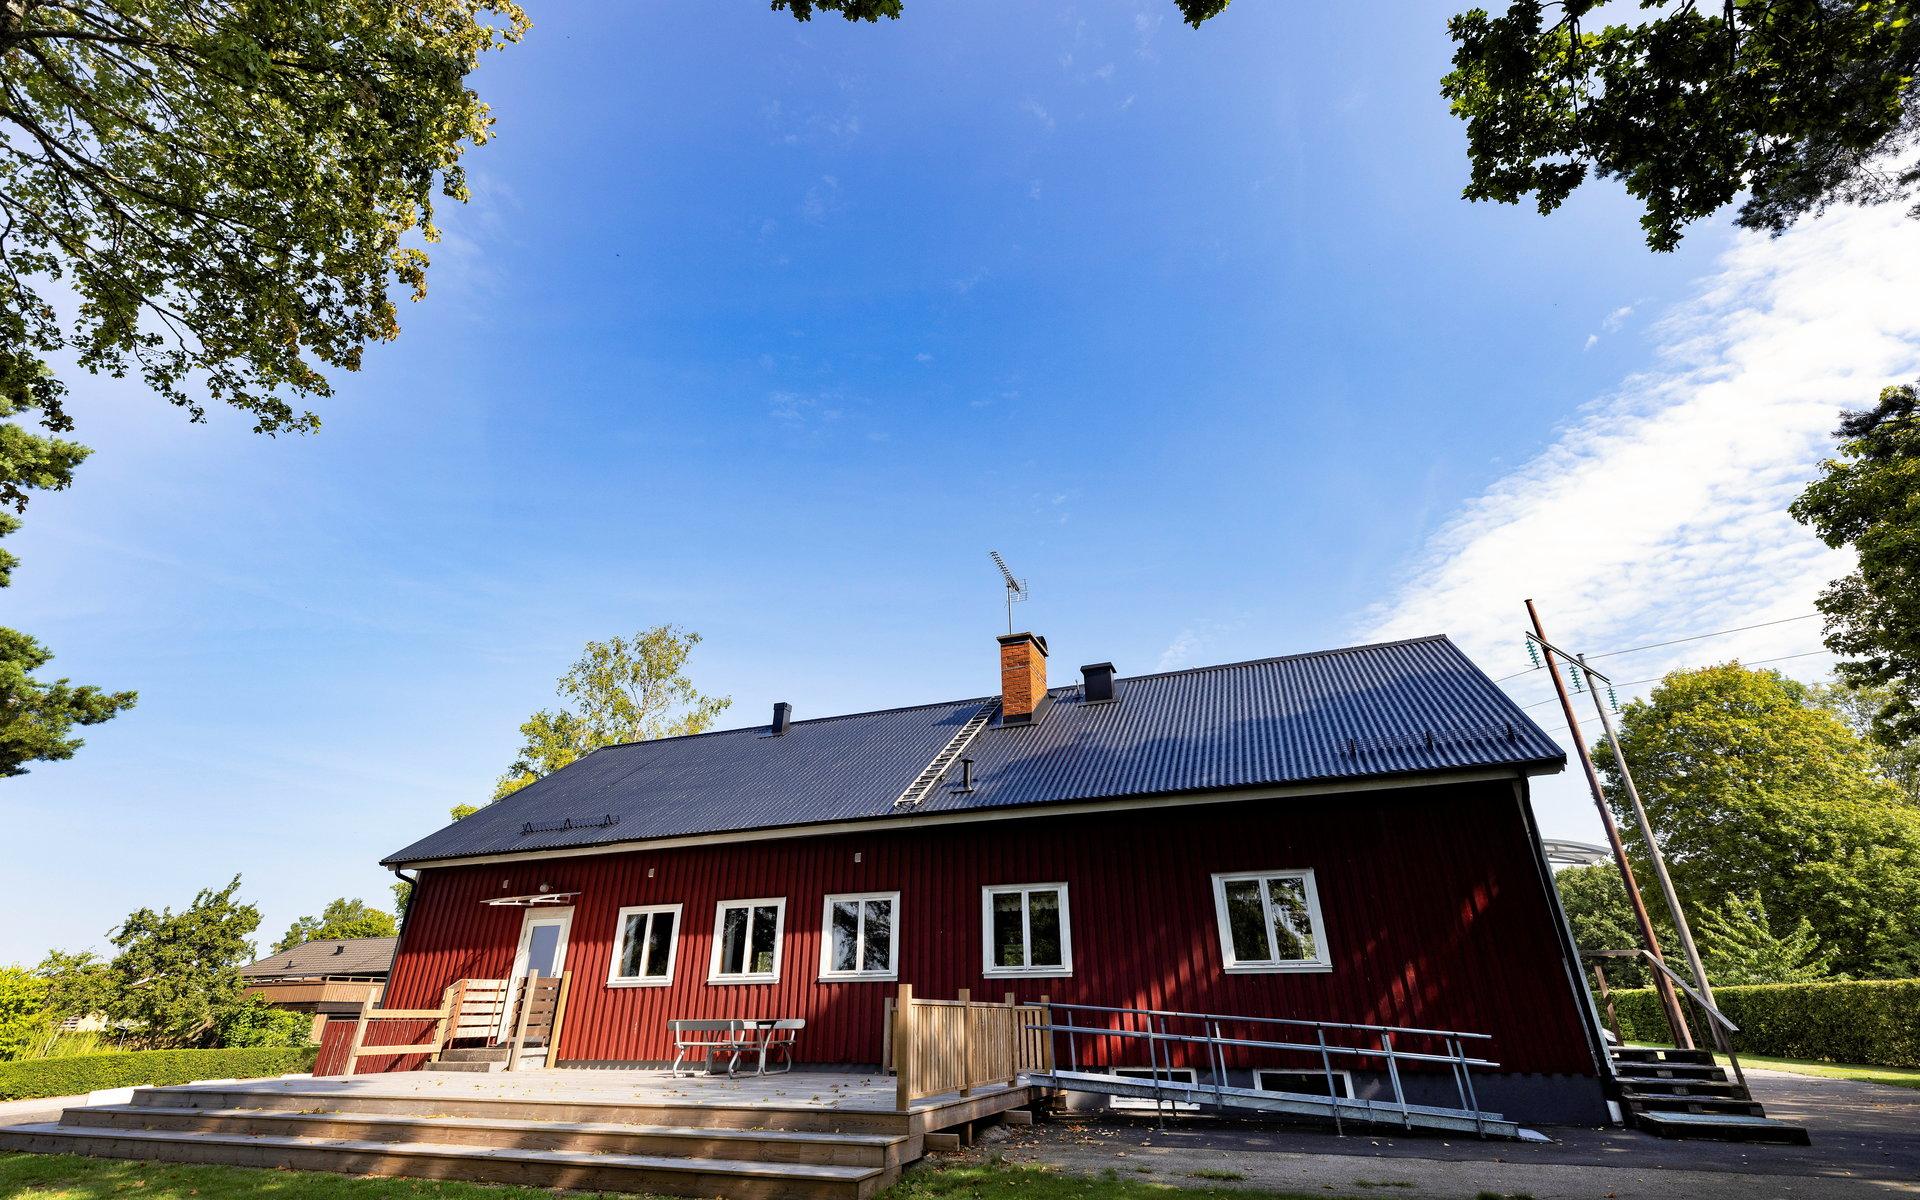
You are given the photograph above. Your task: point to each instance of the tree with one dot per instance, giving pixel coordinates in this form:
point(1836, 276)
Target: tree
point(620, 690)
point(1869, 498)
point(1858, 708)
point(176, 973)
point(78, 985)
point(402, 896)
point(1739, 946)
point(1795, 103)
point(215, 197)
point(341, 918)
point(251, 1021)
point(1191, 11)
point(1755, 791)
point(1595, 902)
point(37, 716)
point(24, 1019)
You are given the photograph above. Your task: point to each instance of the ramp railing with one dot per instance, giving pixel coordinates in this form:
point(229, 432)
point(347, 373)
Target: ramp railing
point(1322, 1042)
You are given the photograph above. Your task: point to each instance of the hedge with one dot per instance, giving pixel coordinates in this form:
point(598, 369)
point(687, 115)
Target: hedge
point(35, 1078)
point(1874, 1022)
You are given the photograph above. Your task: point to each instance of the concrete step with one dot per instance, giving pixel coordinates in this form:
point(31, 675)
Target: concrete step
point(670, 1141)
point(703, 1113)
point(569, 1169)
point(1724, 1127)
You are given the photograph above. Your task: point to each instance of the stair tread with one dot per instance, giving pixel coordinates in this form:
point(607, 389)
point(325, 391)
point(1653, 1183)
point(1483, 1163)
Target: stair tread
point(813, 1137)
point(651, 1162)
point(1730, 1119)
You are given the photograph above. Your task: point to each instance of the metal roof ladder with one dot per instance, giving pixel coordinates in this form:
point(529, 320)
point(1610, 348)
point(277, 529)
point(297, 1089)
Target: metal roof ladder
point(924, 783)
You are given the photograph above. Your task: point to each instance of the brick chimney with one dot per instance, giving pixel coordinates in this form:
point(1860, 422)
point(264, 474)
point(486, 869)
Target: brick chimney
point(1023, 676)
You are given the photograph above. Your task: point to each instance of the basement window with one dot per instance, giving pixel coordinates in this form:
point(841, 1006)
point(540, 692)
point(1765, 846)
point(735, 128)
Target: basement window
point(746, 941)
point(1304, 1083)
point(1170, 1077)
point(1027, 930)
point(860, 936)
point(644, 941)
point(1270, 922)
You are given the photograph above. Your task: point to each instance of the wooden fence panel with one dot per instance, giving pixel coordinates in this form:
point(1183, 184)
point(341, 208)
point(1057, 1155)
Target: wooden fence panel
point(942, 1046)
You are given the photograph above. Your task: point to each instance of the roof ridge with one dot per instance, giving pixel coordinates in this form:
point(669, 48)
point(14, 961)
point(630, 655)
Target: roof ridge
point(757, 729)
point(1277, 658)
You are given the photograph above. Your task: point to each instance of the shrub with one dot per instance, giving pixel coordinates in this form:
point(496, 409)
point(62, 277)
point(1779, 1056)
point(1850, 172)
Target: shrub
point(254, 1022)
point(42, 1077)
point(24, 1020)
point(1875, 1022)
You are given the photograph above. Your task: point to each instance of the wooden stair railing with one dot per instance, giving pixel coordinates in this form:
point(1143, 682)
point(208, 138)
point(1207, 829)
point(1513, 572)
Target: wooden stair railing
point(476, 1008)
point(940, 1046)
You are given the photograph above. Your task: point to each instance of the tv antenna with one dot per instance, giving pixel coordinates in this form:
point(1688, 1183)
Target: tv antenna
point(1017, 589)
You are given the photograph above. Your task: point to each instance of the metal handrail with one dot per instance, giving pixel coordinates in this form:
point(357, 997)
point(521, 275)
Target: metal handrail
point(1459, 1063)
point(1721, 1024)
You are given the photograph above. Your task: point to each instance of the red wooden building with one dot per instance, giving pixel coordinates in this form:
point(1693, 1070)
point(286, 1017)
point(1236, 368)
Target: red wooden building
point(1341, 836)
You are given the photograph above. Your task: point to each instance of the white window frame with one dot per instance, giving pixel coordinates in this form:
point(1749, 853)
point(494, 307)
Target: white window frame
point(1344, 1078)
point(1145, 1075)
point(993, 970)
point(779, 906)
point(892, 970)
point(614, 977)
point(1322, 961)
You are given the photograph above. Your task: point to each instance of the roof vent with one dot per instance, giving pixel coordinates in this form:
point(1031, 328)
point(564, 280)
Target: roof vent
point(782, 717)
point(340, 949)
point(1098, 679)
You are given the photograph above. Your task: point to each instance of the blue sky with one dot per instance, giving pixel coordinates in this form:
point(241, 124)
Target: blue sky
point(772, 331)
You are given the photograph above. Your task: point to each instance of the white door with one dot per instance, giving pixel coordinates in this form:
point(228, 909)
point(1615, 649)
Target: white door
point(543, 948)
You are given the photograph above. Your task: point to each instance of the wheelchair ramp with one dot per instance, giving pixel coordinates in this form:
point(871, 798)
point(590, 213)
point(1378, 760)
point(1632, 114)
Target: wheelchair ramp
point(1366, 1112)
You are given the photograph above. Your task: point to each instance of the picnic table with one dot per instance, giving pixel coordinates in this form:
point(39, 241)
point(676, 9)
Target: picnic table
point(761, 1037)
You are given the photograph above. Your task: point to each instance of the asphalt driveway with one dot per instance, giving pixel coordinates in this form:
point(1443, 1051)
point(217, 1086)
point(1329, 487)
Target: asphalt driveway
point(1866, 1142)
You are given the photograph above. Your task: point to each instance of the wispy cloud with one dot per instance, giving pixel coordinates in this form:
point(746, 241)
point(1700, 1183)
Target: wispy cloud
point(1038, 112)
point(822, 200)
point(1661, 510)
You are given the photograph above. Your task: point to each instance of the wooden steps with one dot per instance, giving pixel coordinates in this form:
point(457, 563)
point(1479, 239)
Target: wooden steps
point(1685, 1094)
point(807, 1153)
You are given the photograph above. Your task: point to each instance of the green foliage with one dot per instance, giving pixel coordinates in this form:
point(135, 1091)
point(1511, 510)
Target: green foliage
point(402, 896)
point(1794, 103)
point(1872, 1021)
point(461, 812)
point(253, 1022)
point(1738, 943)
point(78, 985)
point(176, 973)
point(40, 1077)
point(1858, 708)
point(620, 690)
point(1869, 499)
point(24, 1019)
point(341, 918)
point(74, 1177)
point(1756, 792)
point(1595, 901)
point(1193, 12)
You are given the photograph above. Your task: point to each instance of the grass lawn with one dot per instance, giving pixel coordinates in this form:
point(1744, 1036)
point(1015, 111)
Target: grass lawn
point(71, 1177)
point(1906, 1077)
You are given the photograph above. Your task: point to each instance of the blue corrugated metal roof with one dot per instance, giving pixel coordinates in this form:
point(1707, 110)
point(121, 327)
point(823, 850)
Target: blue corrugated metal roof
point(1391, 709)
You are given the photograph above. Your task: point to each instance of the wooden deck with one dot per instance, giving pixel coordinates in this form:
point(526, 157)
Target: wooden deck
point(810, 1134)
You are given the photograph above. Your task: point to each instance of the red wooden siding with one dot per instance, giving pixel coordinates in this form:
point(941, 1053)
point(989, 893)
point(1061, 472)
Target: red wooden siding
point(1433, 908)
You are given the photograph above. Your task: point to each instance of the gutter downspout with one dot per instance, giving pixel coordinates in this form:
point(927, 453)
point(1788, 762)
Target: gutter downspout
point(406, 919)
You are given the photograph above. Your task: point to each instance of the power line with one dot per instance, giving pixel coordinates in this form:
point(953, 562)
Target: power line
point(1677, 641)
point(1758, 662)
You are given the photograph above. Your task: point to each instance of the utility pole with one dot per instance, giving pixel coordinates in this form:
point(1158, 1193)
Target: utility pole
point(1676, 1017)
point(1680, 926)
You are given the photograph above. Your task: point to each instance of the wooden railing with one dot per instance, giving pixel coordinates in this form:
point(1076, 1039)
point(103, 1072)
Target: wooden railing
point(940, 1046)
point(522, 1013)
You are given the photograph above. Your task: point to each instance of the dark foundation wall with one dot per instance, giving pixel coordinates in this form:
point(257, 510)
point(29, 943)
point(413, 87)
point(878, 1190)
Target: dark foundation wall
point(1434, 910)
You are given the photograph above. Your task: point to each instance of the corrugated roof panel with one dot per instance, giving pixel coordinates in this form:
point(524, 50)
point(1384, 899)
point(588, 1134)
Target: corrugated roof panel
point(1391, 709)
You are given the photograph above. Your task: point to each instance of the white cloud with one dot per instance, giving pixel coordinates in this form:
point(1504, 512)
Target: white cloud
point(1660, 511)
point(1617, 318)
point(1038, 111)
point(1593, 339)
point(822, 200)
point(1181, 651)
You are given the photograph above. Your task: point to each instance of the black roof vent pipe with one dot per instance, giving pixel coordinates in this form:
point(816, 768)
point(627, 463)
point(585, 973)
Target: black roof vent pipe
point(782, 717)
point(1098, 680)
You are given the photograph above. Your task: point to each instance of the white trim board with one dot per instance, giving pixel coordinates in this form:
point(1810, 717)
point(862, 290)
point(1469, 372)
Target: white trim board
point(918, 820)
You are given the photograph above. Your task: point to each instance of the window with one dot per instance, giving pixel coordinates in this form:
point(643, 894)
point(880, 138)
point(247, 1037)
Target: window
point(1304, 1083)
point(1027, 930)
point(1270, 921)
point(746, 941)
point(859, 938)
point(1170, 1076)
point(643, 946)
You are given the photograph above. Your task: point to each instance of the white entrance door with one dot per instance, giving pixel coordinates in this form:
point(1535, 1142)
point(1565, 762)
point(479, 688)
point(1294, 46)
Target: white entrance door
point(543, 948)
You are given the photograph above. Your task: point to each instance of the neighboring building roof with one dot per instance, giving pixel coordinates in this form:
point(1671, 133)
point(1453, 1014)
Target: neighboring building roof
point(335, 956)
point(1397, 708)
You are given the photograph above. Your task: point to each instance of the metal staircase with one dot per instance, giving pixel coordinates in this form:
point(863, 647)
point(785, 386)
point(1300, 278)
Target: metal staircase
point(1205, 1037)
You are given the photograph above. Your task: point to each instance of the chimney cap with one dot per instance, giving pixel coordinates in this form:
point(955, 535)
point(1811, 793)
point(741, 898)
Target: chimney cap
point(782, 717)
point(1014, 639)
point(1097, 683)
